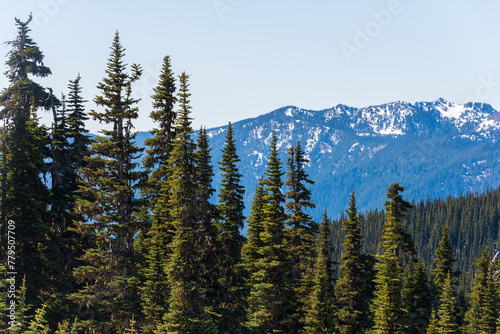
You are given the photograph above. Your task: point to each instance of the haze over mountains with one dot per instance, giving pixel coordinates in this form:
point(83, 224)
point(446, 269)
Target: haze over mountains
point(434, 149)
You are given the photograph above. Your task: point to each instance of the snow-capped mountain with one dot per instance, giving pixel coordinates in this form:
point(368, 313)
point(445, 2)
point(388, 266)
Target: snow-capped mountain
point(434, 149)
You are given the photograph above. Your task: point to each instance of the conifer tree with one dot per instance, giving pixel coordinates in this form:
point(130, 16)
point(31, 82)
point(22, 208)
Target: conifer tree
point(160, 143)
point(24, 195)
point(483, 300)
point(444, 262)
point(69, 146)
point(250, 250)
point(271, 301)
point(447, 313)
point(232, 273)
point(432, 327)
point(208, 238)
point(300, 234)
point(157, 235)
point(26, 204)
point(320, 314)
point(417, 297)
point(109, 203)
point(355, 285)
point(184, 268)
point(388, 307)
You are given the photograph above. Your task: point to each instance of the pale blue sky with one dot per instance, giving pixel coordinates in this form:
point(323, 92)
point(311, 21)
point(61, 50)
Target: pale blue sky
point(247, 57)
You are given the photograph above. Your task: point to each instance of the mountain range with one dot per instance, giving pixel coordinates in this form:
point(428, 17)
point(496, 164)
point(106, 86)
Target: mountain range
point(433, 149)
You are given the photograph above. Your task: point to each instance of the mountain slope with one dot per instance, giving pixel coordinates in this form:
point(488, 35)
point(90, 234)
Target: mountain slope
point(434, 149)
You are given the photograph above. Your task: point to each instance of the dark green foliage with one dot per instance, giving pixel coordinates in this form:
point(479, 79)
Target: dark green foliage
point(444, 262)
point(472, 220)
point(271, 301)
point(300, 234)
point(320, 314)
point(24, 194)
point(482, 314)
point(156, 237)
point(417, 298)
point(109, 204)
point(209, 241)
point(69, 146)
point(187, 312)
point(250, 250)
point(160, 144)
point(355, 285)
point(232, 273)
point(447, 312)
point(389, 309)
point(26, 204)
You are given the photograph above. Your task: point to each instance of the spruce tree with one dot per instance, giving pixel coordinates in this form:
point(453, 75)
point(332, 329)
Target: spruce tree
point(186, 312)
point(444, 262)
point(155, 237)
point(250, 250)
point(355, 284)
point(24, 194)
point(232, 272)
point(69, 147)
point(447, 312)
point(26, 204)
point(389, 310)
point(271, 301)
point(109, 203)
point(483, 300)
point(160, 143)
point(208, 238)
point(417, 297)
point(320, 314)
point(300, 234)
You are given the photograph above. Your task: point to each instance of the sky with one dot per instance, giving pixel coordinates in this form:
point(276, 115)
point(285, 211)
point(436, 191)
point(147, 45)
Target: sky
point(246, 58)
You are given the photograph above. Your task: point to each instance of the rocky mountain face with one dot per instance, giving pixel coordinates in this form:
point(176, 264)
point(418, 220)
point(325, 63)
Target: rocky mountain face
point(434, 149)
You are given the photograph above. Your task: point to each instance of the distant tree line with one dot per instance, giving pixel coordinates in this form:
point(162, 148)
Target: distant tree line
point(95, 242)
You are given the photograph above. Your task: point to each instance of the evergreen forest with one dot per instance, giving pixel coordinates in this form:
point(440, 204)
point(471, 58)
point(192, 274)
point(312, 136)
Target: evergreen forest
point(101, 236)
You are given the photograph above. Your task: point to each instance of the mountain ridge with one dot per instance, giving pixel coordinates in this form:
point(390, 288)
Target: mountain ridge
point(434, 149)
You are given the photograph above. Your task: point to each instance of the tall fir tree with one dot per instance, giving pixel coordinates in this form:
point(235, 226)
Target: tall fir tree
point(271, 300)
point(184, 268)
point(208, 237)
point(417, 297)
point(321, 313)
point(160, 143)
point(26, 204)
point(250, 250)
point(232, 272)
point(301, 231)
point(447, 313)
point(482, 314)
point(355, 284)
point(389, 312)
point(24, 195)
point(444, 263)
point(109, 203)
point(156, 236)
point(69, 146)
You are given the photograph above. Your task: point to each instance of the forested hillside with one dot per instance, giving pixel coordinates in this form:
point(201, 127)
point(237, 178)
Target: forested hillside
point(472, 220)
point(99, 235)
